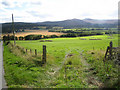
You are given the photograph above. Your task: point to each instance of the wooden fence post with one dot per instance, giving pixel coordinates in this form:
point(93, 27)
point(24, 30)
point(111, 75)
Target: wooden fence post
point(44, 54)
point(110, 51)
point(23, 50)
point(106, 53)
point(26, 50)
point(36, 52)
point(30, 51)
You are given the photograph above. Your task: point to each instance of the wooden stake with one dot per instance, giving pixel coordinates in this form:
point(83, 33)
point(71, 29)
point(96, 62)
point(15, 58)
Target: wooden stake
point(26, 50)
point(106, 53)
point(13, 29)
point(36, 52)
point(44, 54)
point(30, 51)
point(110, 51)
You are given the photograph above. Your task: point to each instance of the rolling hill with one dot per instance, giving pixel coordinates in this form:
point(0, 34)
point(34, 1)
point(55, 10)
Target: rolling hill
point(67, 24)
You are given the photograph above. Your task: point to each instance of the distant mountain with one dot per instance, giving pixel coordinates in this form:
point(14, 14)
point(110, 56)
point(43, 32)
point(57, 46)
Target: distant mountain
point(97, 21)
point(71, 23)
point(85, 23)
point(67, 24)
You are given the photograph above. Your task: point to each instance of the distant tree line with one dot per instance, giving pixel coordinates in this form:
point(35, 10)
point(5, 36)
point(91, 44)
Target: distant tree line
point(86, 31)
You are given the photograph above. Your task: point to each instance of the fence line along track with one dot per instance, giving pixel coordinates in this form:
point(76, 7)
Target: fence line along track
point(112, 53)
point(30, 51)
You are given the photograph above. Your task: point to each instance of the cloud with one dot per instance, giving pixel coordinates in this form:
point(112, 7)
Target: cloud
point(18, 17)
point(38, 14)
point(55, 10)
point(86, 14)
point(5, 3)
point(19, 3)
point(36, 3)
point(9, 4)
point(114, 14)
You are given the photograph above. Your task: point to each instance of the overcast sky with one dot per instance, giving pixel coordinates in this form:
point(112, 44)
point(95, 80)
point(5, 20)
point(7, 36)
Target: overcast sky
point(56, 10)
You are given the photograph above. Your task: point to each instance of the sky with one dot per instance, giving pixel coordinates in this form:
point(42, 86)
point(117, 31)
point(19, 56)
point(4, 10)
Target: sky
point(57, 10)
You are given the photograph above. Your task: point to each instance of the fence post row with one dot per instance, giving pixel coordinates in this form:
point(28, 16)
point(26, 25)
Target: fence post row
point(44, 54)
point(109, 50)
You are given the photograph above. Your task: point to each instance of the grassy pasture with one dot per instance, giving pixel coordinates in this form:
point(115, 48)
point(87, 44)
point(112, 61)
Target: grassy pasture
point(59, 47)
point(65, 65)
point(63, 45)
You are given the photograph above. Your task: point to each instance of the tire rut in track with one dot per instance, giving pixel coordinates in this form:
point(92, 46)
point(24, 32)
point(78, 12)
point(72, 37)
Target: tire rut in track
point(90, 78)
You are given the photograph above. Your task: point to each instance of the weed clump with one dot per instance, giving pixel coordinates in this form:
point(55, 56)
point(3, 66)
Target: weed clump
point(92, 53)
point(69, 63)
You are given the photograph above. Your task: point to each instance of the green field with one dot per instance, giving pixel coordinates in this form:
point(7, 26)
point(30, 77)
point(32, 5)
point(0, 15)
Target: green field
point(87, 31)
point(68, 63)
point(60, 46)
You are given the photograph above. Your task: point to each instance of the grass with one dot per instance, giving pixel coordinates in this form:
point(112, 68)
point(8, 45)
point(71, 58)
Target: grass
point(106, 71)
point(64, 68)
point(25, 73)
point(61, 46)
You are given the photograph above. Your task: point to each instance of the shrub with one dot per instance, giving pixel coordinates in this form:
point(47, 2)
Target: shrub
point(53, 36)
point(21, 38)
point(33, 37)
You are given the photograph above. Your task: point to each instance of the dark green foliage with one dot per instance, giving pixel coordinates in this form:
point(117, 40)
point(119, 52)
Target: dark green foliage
point(29, 37)
point(7, 38)
point(53, 36)
point(69, 35)
point(33, 37)
point(21, 38)
point(87, 31)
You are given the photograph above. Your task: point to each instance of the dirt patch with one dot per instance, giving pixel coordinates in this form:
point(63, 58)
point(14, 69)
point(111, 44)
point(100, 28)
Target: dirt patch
point(95, 39)
point(82, 38)
point(70, 55)
point(45, 40)
point(110, 38)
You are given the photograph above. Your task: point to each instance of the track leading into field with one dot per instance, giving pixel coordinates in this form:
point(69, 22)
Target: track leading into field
point(91, 79)
point(2, 79)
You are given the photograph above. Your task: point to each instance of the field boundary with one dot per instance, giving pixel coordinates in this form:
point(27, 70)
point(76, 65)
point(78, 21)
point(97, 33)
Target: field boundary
point(90, 79)
point(112, 53)
point(25, 51)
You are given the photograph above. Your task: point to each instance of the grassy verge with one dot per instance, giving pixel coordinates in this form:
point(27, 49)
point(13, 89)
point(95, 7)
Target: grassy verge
point(107, 71)
point(18, 71)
